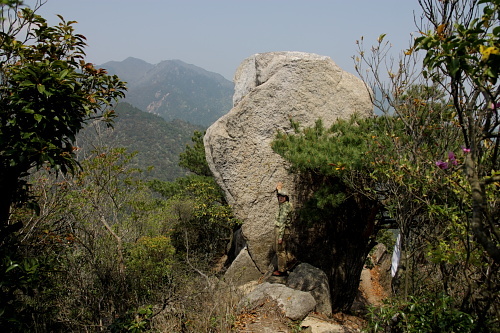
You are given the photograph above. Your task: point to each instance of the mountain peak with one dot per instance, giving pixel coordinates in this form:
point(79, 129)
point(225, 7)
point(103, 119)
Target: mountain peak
point(174, 89)
point(129, 70)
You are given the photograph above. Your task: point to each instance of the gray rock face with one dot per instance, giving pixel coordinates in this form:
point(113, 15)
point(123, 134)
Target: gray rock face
point(316, 325)
point(296, 304)
point(308, 278)
point(270, 89)
point(242, 270)
point(380, 253)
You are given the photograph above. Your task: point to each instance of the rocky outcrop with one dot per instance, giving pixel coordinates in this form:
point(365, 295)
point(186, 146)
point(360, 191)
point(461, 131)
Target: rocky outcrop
point(295, 304)
point(242, 270)
point(271, 89)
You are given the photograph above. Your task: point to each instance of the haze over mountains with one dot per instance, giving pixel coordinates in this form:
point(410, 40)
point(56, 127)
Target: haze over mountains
point(174, 89)
point(164, 105)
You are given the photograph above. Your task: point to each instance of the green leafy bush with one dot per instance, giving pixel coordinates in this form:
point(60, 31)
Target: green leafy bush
point(134, 321)
point(149, 263)
point(433, 313)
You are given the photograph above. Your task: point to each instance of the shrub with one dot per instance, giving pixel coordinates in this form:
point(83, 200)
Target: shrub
point(149, 263)
point(433, 313)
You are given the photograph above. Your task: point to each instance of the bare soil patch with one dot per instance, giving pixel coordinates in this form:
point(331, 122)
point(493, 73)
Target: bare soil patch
point(267, 317)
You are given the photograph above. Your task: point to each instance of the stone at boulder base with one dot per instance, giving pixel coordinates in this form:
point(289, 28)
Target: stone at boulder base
point(295, 304)
point(308, 278)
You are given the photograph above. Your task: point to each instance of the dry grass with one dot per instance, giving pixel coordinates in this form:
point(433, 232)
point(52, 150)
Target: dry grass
point(200, 306)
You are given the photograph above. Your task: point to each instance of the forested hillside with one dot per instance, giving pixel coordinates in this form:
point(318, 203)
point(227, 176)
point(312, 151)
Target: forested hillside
point(129, 70)
point(156, 141)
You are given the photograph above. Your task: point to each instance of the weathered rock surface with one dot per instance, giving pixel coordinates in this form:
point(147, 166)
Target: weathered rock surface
point(308, 278)
point(270, 89)
point(242, 270)
point(379, 253)
point(316, 325)
point(295, 304)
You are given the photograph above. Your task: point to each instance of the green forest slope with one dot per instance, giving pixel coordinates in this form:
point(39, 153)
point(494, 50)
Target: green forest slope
point(156, 141)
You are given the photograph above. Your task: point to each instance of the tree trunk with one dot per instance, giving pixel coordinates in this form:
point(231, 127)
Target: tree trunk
point(480, 226)
point(9, 182)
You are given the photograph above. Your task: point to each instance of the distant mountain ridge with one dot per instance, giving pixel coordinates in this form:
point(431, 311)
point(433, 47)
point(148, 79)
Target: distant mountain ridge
point(174, 89)
point(129, 70)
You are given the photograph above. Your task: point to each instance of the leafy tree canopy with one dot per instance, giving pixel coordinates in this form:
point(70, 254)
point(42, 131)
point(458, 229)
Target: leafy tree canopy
point(462, 55)
point(47, 93)
point(193, 158)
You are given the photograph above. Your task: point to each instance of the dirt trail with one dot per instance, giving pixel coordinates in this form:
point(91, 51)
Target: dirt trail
point(371, 287)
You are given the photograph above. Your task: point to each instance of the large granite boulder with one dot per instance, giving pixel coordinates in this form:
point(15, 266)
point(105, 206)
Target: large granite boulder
point(271, 89)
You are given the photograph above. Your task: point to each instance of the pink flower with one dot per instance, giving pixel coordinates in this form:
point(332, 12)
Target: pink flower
point(452, 158)
point(466, 150)
point(442, 165)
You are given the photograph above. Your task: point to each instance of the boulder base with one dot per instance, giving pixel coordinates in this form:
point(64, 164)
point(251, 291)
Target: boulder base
point(308, 278)
point(242, 270)
point(295, 304)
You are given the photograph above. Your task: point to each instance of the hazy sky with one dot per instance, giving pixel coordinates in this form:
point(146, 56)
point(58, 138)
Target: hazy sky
point(218, 35)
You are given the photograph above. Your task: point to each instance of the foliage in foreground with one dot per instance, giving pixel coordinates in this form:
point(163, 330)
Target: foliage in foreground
point(431, 161)
point(435, 313)
point(106, 251)
point(448, 221)
point(48, 92)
